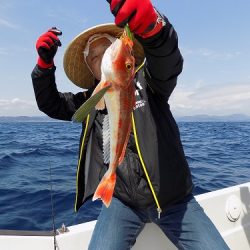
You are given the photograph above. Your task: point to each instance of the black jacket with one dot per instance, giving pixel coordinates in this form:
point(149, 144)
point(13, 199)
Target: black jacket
point(157, 132)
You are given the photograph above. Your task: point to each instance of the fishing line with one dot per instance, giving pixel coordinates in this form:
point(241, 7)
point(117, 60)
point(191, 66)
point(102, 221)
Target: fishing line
point(52, 209)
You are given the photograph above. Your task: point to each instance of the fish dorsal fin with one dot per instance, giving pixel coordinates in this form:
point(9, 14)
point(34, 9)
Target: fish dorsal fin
point(106, 139)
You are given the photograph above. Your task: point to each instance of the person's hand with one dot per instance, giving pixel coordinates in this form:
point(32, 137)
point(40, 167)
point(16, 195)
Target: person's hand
point(46, 46)
point(139, 14)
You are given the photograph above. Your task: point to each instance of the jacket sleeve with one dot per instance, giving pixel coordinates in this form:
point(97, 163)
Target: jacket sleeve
point(164, 61)
point(55, 104)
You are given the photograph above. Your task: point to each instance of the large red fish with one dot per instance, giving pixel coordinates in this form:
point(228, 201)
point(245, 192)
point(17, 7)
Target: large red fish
point(118, 69)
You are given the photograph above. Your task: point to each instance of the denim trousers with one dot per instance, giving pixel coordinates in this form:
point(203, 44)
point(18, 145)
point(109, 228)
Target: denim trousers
point(184, 223)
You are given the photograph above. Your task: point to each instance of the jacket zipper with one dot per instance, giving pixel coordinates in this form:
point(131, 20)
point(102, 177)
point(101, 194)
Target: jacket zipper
point(159, 210)
point(80, 159)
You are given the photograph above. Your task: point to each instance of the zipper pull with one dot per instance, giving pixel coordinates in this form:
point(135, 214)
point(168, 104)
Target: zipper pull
point(159, 212)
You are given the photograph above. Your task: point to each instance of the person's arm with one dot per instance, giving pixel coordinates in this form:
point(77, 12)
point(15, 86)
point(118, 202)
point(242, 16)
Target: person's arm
point(163, 59)
point(53, 103)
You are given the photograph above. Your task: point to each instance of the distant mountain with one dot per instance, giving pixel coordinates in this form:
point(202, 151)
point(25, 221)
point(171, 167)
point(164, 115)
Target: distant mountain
point(213, 118)
point(193, 118)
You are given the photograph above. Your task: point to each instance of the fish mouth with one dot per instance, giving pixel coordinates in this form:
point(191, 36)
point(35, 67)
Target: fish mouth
point(126, 38)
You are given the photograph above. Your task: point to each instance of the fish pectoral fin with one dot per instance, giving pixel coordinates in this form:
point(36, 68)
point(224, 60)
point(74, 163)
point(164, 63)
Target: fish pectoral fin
point(106, 188)
point(100, 105)
point(85, 108)
point(99, 88)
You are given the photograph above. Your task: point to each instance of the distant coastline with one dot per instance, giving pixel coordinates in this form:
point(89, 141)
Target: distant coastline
point(27, 119)
point(193, 118)
point(214, 118)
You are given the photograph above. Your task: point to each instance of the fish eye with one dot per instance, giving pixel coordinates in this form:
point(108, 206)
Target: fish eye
point(128, 66)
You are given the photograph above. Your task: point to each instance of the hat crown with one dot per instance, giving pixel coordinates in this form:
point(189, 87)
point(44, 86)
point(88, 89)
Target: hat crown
point(74, 64)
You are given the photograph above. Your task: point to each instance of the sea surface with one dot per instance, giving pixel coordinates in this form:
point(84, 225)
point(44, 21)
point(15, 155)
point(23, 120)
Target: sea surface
point(37, 155)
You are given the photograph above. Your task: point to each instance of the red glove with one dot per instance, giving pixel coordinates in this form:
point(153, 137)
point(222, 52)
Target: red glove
point(46, 46)
point(139, 14)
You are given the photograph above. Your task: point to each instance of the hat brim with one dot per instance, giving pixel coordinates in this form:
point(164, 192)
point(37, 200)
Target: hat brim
point(74, 64)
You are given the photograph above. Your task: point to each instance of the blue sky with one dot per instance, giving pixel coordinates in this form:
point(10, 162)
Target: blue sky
point(213, 37)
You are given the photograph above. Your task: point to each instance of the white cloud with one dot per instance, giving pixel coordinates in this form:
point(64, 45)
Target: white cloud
point(212, 100)
point(15, 50)
point(69, 15)
point(209, 53)
point(215, 55)
point(16, 107)
point(200, 99)
point(7, 24)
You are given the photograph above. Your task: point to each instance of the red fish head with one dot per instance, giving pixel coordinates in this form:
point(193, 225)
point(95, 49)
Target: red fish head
point(118, 63)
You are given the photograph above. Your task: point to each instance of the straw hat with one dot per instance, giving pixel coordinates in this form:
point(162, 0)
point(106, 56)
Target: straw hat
point(74, 64)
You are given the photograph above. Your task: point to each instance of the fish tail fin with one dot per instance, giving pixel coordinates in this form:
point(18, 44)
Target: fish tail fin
point(106, 188)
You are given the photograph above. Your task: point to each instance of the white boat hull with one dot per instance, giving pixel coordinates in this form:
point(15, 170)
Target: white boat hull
point(228, 208)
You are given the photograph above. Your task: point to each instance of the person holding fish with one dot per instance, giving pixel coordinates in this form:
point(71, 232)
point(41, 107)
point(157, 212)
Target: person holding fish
point(131, 156)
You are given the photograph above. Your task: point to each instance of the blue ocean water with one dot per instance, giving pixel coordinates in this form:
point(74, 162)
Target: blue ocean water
point(218, 154)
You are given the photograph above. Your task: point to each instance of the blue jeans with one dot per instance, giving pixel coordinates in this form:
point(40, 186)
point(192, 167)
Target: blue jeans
point(185, 224)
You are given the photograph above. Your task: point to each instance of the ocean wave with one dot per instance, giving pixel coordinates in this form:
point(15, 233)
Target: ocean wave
point(218, 155)
point(6, 160)
point(12, 156)
point(199, 190)
point(190, 158)
point(15, 156)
